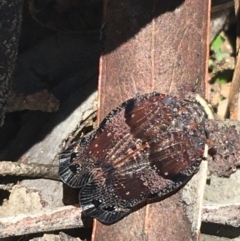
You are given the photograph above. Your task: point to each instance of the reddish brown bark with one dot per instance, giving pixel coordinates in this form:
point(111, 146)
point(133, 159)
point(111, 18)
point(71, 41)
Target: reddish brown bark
point(152, 45)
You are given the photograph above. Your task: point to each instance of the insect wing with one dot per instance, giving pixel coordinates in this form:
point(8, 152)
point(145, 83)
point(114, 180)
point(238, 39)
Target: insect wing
point(75, 164)
point(149, 145)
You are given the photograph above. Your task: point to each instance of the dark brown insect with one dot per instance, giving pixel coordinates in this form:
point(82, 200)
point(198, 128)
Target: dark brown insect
point(145, 148)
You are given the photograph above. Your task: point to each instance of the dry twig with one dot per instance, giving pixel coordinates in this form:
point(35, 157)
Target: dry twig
point(29, 170)
point(235, 86)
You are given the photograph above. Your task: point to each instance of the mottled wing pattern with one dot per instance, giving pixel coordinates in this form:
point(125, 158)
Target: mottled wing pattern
point(101, 202)
point(170, 136)
point(148, 146)
point(75, 165)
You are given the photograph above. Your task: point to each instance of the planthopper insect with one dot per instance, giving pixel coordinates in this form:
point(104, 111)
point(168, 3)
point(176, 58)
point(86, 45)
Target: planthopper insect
point(146, 148)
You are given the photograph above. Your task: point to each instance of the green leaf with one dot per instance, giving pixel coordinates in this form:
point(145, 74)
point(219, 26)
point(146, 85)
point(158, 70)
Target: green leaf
point(216, 47)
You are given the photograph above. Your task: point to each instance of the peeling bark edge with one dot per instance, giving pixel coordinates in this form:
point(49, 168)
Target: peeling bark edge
point(47, 220)
point(224, 214)
point(70, 217)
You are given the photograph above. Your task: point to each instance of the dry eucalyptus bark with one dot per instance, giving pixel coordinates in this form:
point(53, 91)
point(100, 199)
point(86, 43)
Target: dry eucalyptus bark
point(10, 26)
